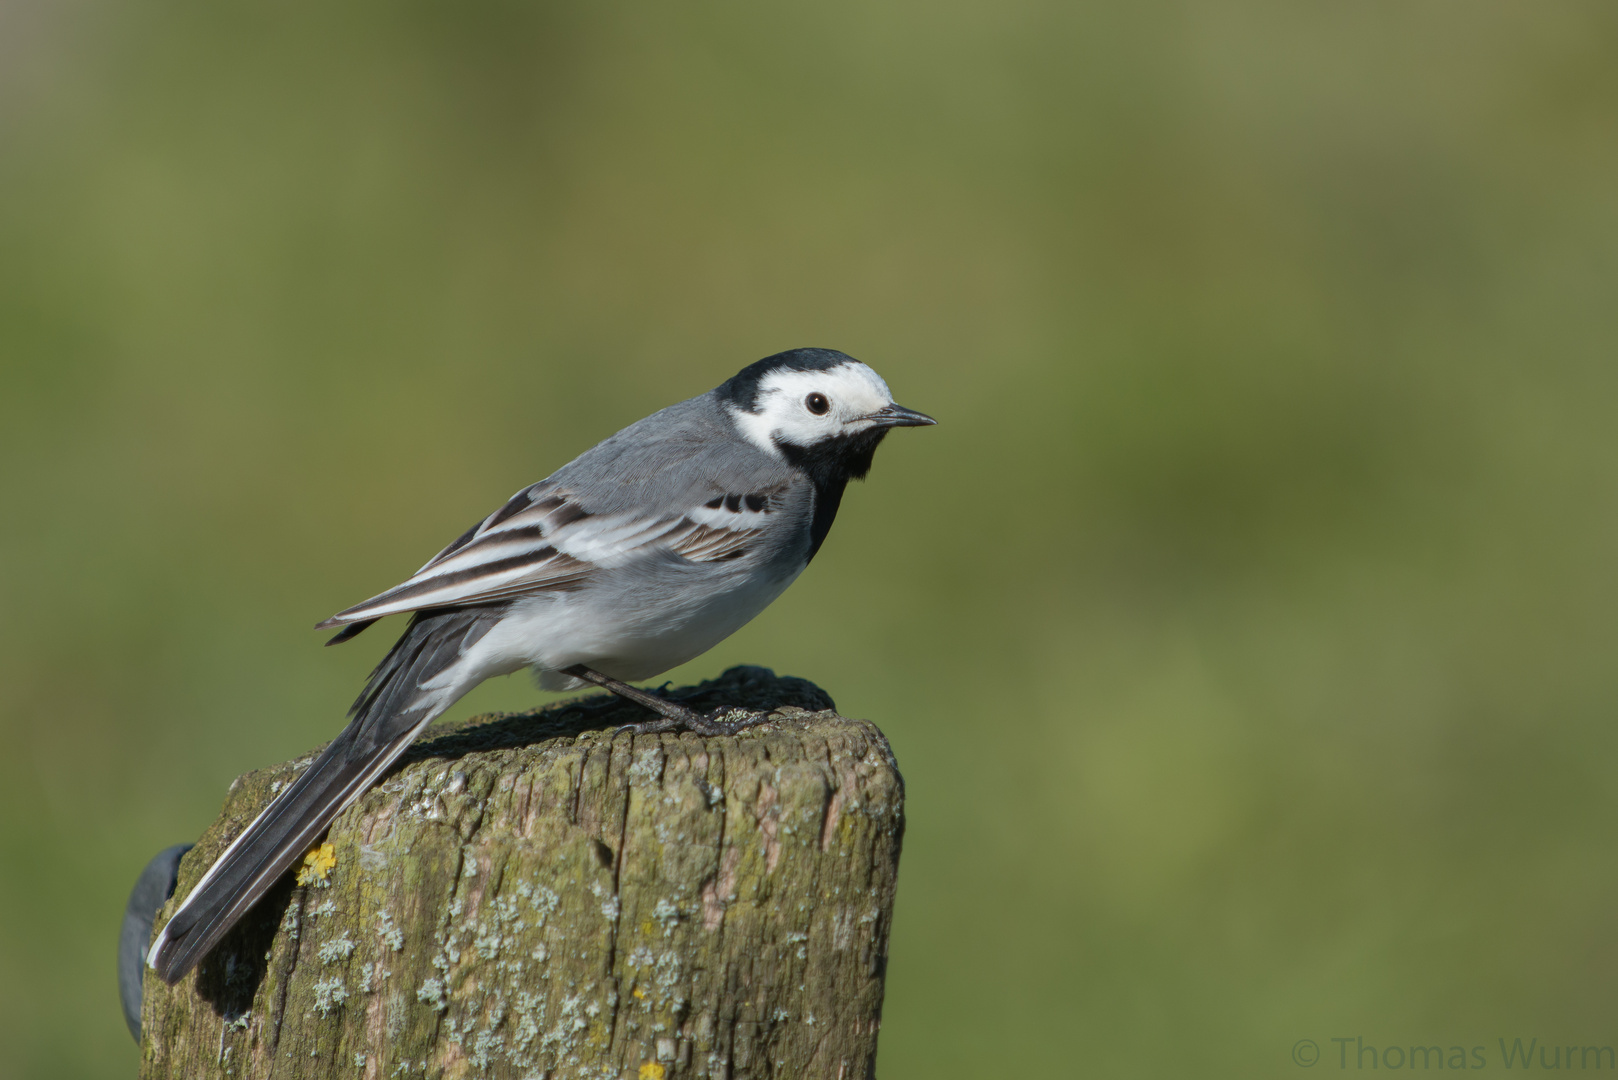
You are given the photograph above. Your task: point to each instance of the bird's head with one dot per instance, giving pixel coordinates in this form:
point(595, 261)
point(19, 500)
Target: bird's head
point(815, 407)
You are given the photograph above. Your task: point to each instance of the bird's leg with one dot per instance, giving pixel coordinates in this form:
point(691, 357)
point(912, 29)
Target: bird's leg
point(673, 715)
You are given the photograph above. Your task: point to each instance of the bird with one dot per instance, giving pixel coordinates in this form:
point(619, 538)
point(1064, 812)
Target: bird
point(642, 553)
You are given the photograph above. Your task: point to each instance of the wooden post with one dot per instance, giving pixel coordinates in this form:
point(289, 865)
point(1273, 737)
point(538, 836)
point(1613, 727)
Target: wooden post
point(537, 895)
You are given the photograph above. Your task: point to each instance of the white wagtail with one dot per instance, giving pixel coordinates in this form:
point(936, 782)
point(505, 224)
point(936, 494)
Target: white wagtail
point(642, 553)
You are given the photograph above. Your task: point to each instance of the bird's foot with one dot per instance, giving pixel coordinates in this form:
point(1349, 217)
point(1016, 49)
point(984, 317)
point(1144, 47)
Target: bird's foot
point(671, 715)
point(675, 717)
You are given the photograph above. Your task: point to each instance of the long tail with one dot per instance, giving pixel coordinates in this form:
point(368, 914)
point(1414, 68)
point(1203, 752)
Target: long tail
point(394, 707)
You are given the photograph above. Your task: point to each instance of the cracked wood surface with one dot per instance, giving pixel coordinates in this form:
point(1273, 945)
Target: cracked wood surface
point(535, 895)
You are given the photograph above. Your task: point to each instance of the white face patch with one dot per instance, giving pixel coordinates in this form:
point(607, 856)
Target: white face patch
point(785, 411)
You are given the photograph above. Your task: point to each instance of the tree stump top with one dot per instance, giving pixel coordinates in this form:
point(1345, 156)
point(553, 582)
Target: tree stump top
point(541, 894)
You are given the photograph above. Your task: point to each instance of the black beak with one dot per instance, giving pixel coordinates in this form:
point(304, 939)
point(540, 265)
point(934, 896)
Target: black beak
point(899, 416)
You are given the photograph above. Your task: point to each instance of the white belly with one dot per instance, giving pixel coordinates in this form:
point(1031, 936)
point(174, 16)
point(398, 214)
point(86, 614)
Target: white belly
point(631, 628)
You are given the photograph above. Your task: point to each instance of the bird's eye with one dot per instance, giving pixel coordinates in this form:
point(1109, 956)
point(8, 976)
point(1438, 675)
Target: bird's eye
point(817, 404)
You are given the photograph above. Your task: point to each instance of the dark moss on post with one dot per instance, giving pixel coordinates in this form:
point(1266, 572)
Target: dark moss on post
point(538, 895)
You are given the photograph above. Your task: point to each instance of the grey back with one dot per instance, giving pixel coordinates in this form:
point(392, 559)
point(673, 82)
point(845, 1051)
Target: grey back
point(636, 468)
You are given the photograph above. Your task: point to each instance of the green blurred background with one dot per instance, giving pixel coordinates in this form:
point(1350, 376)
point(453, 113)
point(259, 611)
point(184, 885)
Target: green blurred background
point(1245, 630)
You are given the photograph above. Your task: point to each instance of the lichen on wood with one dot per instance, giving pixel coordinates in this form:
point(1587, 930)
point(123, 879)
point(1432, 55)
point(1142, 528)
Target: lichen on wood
point(543, 895)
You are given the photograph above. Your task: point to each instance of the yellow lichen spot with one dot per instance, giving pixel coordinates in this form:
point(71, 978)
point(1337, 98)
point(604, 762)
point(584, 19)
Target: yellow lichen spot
point(638, 992)
point(317, 864)
point(651, 1071)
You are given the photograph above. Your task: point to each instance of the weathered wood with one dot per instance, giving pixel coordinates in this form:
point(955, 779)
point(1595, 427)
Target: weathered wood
point(537, 895)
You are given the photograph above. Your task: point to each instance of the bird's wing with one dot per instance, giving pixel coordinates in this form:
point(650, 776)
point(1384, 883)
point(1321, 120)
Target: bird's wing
point(543, 540)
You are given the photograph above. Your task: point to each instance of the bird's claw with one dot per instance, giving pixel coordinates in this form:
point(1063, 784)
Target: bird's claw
point(711, 725)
